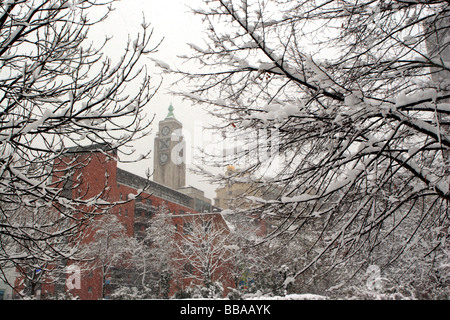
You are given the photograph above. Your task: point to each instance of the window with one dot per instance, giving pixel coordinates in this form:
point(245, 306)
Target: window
point(187, 228)
point(187, 269)
point(187, 249)
point(205, 248)
point(206, 226)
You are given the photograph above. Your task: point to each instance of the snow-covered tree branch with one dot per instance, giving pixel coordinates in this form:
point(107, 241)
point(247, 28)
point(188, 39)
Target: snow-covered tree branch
point(58, 90)
point(203, 253)
point(357, 93)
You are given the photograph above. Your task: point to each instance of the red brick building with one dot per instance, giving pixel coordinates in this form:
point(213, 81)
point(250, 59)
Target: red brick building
point(138, 198)
point(91, 173)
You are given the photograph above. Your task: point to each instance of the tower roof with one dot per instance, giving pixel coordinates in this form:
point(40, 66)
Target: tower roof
point(170, 114)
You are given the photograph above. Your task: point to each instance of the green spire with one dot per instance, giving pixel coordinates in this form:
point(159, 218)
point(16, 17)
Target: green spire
point(170, 114)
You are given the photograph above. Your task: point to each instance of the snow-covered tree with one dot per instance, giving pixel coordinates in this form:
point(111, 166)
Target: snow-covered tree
point(37, 258)
point(150, 263)
point(153, 258)
point(270, 266)
point(108, 250)
point(59, 90)
point(343, 107)
point(203, 252)
point(245, 257)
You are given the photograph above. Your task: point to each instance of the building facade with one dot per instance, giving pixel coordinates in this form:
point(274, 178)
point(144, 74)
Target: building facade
point(137, 200)
point(169, 162)
point(235, 195)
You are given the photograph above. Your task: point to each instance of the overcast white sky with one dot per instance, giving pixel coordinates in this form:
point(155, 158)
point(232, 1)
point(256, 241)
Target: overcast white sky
point(171, 20)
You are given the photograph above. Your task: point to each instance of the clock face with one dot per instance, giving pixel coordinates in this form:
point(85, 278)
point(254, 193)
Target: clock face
point(165, 130)
point(163, 158)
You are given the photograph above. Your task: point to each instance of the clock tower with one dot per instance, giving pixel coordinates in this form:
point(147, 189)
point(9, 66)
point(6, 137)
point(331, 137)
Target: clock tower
point(169, 153)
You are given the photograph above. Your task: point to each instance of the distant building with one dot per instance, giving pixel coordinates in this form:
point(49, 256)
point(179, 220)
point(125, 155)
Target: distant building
point(199, 202)
point(240, 196)
point(169, 160)
point(438, 47)
point(6, 292)
point(237, 195)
